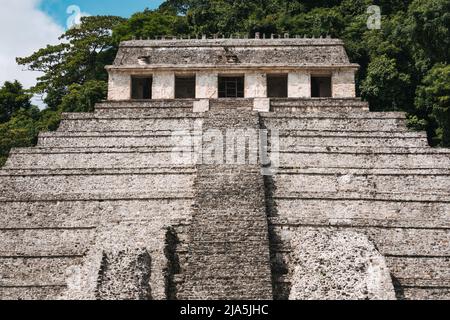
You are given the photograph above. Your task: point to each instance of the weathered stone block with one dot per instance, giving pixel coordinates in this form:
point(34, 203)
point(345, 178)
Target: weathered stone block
point(124, 275)
point(119, 86)
point(261, 105)
point(343, 83)
point(338, 266)
point(299, 85)
point(201, 105)
point(255, 85)
point(207, 85)
point(163, 85)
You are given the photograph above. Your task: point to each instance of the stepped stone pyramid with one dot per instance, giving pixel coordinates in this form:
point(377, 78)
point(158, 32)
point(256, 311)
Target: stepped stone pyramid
point(357, 206)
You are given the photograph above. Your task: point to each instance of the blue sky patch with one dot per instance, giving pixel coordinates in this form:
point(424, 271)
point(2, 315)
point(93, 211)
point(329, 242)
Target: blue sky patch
point(57, 9)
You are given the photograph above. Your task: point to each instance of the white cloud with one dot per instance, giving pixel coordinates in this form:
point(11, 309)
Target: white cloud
point(23, 30)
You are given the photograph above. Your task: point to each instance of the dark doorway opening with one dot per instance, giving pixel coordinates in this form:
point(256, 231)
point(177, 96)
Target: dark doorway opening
point(185, 87)
point(231, 86)
point(321, 87)
point(141, 88)
point(277, 85)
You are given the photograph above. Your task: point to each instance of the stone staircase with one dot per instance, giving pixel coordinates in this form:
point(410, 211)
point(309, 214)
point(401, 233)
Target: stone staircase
point(228, 255)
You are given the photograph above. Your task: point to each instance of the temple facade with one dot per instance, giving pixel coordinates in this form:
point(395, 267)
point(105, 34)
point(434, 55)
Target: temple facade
point(337, 203)
point(259, 69)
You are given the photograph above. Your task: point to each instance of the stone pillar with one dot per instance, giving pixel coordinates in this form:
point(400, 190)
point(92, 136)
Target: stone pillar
point(343, 83)
point(163, 85)
point(299, 85)
point(119, 86)
point(255, 85)
point(207, 85)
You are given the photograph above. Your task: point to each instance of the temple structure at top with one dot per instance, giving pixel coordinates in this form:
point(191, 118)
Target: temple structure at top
point(231, 68)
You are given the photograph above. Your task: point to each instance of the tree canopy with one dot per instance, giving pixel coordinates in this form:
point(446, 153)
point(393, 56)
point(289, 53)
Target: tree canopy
point(80, 57)
point(12, 98)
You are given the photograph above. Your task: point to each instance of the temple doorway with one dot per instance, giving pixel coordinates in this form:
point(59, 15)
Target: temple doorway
point(141, 88)
point(185, 87)
point(277, 85)
point(231, 86)
point(321, 87)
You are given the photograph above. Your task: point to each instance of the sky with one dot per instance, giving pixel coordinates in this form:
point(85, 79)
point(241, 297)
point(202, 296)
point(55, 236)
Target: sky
point(28, 25)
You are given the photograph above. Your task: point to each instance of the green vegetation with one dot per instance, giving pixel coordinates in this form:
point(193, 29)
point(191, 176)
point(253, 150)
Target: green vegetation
point(404, 65)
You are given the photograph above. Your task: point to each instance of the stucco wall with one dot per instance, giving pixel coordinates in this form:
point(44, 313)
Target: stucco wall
point(119, 87)
point(343, 84)
point(163, 85)
point(299, 85)
point(206, 85)
point(255, 85)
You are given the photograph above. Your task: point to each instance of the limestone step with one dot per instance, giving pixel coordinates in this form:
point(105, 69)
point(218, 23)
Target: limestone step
point(153, 106)
point(118, 186)
point(82, 213)
point(365, 122)
point(351, 139)
point(361, 171)
point(424, 293)
point(165, 114)
point(147, 104)
point(362, 183)
point(43, 242)
point(114, 139)
point(334, 115)
point(288, 139)
point(82, 158)
point(377, 159)
point(161, 170)
point(288, 150)
point(88, 124)
point(240, 104)
point(110, 196)
point(362, 150)
point(133, 113)
point(39, 292)
point(420, 271)
point(278, 104)
point(318, 104)
point(37, 271)
point(333, 122)
point(397, 242)
point(307, 157)
point(224, 107)
point(349, 195)
point(323, 210)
